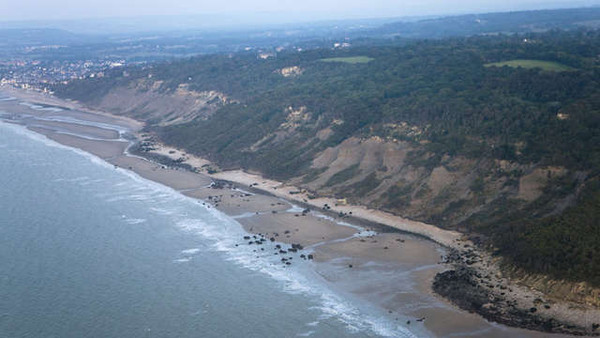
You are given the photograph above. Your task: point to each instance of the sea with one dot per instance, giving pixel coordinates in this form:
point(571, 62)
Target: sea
point(87, 250)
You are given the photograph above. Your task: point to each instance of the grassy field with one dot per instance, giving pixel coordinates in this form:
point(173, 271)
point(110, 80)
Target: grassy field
point(350, 59)
point(544, 65)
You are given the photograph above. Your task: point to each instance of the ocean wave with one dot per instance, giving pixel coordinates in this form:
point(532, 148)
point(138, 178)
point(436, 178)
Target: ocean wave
point(306, 334)
point(190, 251)
point(134, 221)
point(162, 211)
point(182, 260)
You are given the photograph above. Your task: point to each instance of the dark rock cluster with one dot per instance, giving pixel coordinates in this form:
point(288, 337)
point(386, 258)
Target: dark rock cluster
point(279, 249)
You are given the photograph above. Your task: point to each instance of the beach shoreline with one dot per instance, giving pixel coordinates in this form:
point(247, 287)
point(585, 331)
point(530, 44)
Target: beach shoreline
point(268, 209)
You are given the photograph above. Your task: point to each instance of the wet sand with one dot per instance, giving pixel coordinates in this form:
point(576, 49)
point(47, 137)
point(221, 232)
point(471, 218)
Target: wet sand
point(238, 202)
point(288, 228)
point(103, 149)
point(177, 179)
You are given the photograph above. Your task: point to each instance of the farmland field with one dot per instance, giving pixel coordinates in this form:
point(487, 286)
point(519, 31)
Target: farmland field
point(544, 65)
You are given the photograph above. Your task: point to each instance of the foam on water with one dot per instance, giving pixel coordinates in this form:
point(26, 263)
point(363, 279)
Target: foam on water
point(306, 334)
point(190, 251)
point(223, 233)
point(182, 260)
point(134, 221)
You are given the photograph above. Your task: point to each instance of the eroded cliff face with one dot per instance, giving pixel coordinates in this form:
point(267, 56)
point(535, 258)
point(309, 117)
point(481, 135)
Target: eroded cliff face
point(557, 290)
point(452, 191)
point(393, 174)
point(150, 101)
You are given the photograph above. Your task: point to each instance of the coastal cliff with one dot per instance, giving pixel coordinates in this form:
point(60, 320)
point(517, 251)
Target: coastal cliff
point(433, 131)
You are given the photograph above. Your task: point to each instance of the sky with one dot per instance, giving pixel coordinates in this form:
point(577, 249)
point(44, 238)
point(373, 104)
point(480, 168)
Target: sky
point(295, 10)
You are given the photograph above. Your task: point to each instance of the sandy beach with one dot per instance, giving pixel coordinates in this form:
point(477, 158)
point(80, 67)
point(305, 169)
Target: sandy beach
point(391, 269)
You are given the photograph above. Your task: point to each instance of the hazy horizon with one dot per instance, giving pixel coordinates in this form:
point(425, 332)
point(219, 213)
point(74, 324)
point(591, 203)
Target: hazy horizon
point(263, 11)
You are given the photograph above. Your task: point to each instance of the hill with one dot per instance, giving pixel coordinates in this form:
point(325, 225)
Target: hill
point(494, 23)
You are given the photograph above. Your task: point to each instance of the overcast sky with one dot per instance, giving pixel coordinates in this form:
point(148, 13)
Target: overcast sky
point(305, 9)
